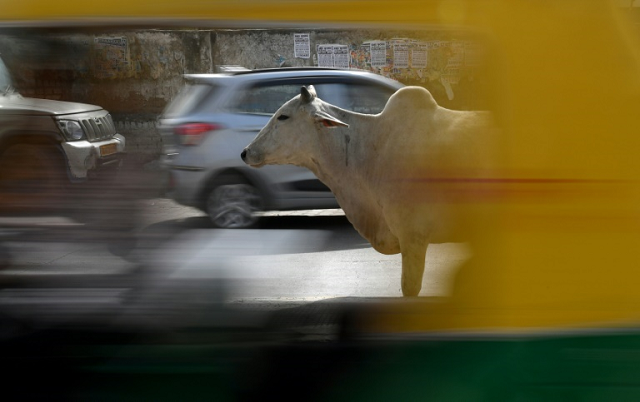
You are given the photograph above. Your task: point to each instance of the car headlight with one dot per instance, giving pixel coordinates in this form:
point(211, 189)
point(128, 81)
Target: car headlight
point(71, 129)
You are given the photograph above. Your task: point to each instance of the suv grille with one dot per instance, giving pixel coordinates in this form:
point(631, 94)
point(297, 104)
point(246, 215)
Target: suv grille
point(98, 128)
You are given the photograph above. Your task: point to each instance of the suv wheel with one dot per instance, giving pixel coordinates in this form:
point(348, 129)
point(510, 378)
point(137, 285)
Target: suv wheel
point(232, 204)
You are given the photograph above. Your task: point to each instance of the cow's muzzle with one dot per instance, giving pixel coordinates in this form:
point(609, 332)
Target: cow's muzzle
point(249, 158)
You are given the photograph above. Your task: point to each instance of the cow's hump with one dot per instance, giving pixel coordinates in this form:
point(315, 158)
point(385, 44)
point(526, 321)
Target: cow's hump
point(410, 99)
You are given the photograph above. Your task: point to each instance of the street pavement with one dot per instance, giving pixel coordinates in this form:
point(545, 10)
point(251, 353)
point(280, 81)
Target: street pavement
point(296, 255)
point(301, 271)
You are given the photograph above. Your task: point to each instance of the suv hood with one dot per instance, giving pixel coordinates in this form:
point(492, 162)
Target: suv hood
point(17, 104)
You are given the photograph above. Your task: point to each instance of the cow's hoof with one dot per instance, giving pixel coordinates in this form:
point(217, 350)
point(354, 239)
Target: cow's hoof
point(410, 292)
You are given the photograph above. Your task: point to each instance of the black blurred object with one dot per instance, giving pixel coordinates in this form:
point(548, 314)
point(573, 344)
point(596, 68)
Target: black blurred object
point(164, 339)
point(104, 209)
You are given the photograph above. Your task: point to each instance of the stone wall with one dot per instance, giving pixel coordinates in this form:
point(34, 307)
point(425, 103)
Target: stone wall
point(134, 74)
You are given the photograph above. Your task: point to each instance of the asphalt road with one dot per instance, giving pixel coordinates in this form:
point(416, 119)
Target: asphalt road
point(301, 277)
point(299, 271)
point(300, 255)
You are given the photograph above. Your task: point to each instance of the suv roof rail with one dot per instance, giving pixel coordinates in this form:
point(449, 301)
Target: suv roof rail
point(230, 69)
point(266, 70)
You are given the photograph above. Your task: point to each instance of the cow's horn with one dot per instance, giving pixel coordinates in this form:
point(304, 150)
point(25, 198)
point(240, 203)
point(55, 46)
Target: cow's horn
point(307, 94)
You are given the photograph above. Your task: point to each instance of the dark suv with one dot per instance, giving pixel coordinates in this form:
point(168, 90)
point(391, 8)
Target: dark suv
point(48, 148)
point(216, 115)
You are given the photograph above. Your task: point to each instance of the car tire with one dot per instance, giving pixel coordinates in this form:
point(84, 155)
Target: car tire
point(232, 203)
point(33, 178)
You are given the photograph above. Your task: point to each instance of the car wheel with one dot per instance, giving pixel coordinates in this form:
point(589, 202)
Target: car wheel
point(232, 204)
point(32, 177)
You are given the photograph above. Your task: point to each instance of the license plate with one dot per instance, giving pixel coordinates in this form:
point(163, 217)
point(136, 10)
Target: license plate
point(108, 149)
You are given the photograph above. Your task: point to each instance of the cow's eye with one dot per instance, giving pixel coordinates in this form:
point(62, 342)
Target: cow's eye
point(283, 117)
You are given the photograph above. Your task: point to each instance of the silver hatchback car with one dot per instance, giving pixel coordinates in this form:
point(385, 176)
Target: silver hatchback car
point(206, 127)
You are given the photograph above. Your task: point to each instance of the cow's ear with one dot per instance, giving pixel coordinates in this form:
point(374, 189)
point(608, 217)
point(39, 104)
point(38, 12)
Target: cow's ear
point(307, 94)
point(329, 121)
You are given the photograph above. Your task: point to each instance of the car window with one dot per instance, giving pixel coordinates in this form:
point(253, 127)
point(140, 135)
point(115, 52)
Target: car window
point(334, 93)
point(264, 99)
point(189, 97)
point(362, 98)
point(267, 99)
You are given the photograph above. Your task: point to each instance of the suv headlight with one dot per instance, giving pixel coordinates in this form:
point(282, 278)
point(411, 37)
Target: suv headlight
point(71, 129)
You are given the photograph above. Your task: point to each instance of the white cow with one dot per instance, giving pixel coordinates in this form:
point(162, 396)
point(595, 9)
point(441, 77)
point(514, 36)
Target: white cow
point(402, 176)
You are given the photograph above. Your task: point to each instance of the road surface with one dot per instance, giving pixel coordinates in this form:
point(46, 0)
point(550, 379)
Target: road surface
point(300, 255)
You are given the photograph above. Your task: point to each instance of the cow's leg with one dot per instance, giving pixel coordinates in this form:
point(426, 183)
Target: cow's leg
point(413, 260)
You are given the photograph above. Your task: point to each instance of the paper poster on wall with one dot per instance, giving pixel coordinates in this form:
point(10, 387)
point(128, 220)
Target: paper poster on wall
point(341, 56)
point(401, 55)
point(472, 54)
point(378, 53)
point(110, 56)
point(419, 55)
point(437, 44)
point(301, 46)
point(333, 56)
point(457, 55)
point(325, 55)
point(452, 70)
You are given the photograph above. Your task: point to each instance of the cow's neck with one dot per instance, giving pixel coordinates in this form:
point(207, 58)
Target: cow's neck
point(340, 152)
point(343, 161)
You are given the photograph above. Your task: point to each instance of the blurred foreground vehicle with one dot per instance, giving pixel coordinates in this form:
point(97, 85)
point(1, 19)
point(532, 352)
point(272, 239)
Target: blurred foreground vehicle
point(61, 160)
point(47, 148)
point(217, 115)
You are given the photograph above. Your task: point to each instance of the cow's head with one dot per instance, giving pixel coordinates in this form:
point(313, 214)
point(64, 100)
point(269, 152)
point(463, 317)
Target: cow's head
point(292, 133)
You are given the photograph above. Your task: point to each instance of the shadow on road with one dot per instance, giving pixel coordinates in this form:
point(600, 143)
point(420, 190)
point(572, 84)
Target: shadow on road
point(341, 234)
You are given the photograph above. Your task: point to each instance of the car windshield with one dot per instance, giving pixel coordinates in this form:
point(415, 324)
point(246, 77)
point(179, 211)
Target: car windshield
point(6, 85)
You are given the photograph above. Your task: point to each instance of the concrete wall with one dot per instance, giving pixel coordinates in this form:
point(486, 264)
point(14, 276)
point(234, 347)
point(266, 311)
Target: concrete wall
point(134, 74)
point(454, 82)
